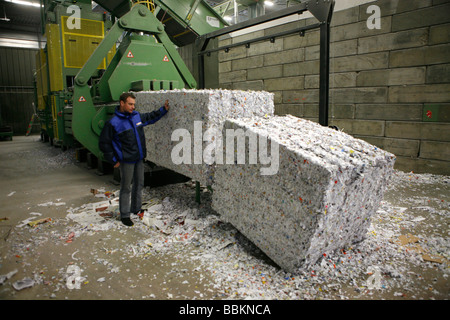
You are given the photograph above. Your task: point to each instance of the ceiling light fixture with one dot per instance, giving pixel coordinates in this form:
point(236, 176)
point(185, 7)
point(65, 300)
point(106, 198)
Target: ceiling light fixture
point(268, 3)
point(18, 43)
point(4, 18)
point(25, 3)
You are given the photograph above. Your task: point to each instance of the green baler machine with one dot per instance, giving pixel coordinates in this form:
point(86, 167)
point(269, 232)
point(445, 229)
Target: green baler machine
point(68, 47)
point(139, 53)
point(146, 59)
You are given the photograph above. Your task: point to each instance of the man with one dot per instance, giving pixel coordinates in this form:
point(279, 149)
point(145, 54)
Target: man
point(122, 142)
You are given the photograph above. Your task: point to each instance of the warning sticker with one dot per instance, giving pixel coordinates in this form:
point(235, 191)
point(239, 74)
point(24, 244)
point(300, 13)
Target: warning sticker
point(213, 21)
point(81, 99)
point(166, 59)
point(130, 55)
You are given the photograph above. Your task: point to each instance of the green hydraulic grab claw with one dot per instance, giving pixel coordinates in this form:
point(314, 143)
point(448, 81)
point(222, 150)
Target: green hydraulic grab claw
point(145, 60)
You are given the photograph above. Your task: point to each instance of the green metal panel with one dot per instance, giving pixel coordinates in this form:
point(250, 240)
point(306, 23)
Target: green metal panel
point(198, 15)
point(82, 114)
point(185, 20)
point(192, 13)
point(143, 60)
point(102, 90)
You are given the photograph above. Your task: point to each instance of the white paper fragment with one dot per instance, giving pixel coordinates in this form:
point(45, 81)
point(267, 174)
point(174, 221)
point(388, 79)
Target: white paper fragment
point(51, 203)
point(7, 276)
point(154, 222)
point(73, 255)
point(22, 284)
point(25, 222)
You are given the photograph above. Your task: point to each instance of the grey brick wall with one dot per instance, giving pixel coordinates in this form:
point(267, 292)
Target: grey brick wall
point(388, 86)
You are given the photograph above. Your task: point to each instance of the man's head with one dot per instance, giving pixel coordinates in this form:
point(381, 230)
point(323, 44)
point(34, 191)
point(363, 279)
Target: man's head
point(127, 101)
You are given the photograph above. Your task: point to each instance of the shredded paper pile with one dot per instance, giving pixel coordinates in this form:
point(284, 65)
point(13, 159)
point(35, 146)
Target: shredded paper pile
point(195, 112)
point(327, 186)
point(323, 187)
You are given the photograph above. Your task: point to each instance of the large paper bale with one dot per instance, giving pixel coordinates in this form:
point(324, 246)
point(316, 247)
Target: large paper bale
point(192, 113)
point(319, 198)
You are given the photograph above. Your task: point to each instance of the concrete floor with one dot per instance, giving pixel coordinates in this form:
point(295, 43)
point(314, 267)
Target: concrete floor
point(38, 174)
point(40, 181)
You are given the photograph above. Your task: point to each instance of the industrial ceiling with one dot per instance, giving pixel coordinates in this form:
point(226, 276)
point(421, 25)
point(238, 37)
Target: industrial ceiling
point(20, 20)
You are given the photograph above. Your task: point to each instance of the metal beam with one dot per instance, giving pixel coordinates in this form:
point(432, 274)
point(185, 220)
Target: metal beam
point(262, 19)
point(325, 14)
point(271, 37)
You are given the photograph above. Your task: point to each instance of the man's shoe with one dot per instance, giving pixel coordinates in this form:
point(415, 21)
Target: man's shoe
point(127, 222)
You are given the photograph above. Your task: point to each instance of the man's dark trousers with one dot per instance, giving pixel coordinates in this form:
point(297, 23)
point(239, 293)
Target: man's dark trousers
point(131, 184)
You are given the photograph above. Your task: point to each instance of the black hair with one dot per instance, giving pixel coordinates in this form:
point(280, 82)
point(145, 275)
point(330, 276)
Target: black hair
point(124, 96)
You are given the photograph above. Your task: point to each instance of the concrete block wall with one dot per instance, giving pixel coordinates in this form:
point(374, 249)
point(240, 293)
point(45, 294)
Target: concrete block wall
point(388, 86)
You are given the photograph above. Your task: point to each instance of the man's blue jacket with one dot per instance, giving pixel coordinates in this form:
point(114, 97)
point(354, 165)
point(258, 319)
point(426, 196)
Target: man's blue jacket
point(123, 139)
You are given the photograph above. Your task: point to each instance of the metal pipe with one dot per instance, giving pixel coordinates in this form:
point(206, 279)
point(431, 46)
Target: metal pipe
point(236, 12)
point(226, 8)
point(273, 36)
point(324, 75)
